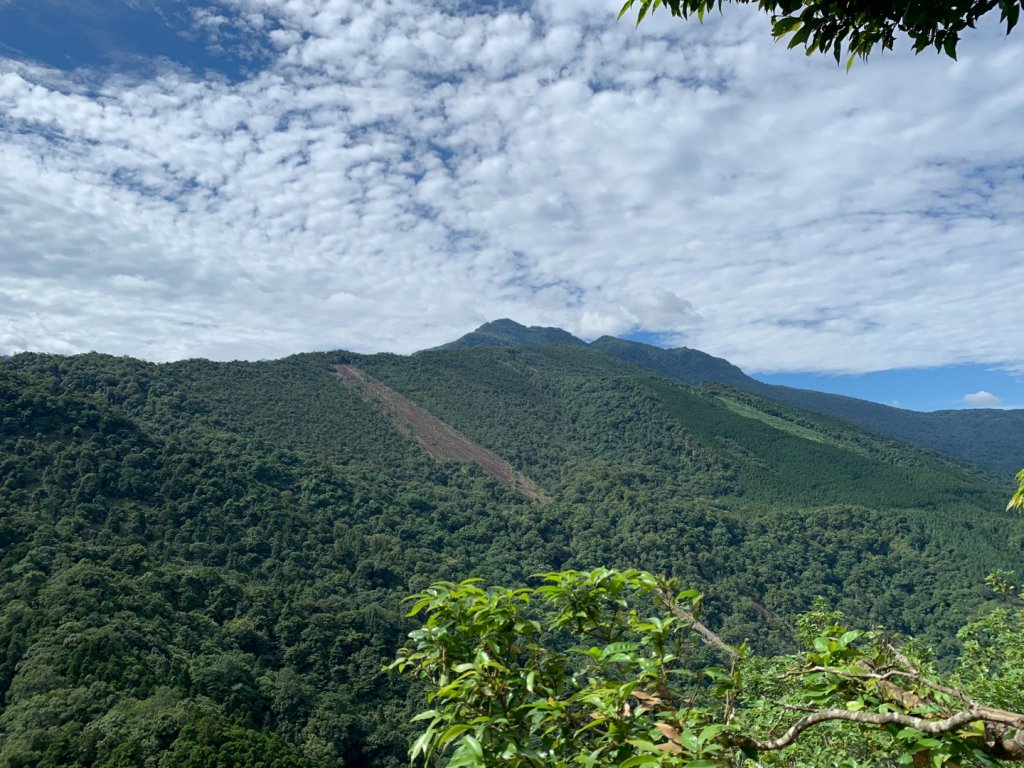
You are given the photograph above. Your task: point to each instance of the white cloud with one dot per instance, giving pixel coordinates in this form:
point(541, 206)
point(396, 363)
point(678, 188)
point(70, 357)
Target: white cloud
point(982, 399)
point(401, 172)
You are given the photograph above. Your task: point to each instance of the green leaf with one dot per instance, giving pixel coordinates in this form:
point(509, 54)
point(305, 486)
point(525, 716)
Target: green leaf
point(709, 732)
point(639, 760)
point(643, 11)
point(909, 734)
point(849, 637)
point(452, 733)
point(646, 746)
point(800, 37)
point(785, 25)
point(950, 48)
point(421, 744)
point(469, 753)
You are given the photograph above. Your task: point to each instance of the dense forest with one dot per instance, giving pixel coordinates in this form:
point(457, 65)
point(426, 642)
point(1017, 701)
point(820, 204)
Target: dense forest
point(986, 436)
point(204, 563)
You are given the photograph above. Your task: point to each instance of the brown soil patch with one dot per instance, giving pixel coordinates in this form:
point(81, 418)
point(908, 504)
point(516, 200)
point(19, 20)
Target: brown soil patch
point(438, 439)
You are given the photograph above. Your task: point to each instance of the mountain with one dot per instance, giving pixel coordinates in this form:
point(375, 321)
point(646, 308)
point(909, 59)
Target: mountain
point(690, 366)
point(988, 437)
point(508, 333)
point(206, 562)
point(991, 438)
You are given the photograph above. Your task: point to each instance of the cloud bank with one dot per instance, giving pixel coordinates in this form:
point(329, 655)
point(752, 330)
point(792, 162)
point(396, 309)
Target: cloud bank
point(982, 399)
point(400, 172)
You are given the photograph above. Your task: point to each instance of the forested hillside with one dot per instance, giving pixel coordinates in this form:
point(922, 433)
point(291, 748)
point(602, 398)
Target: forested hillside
point(984, 436)
point(205, 562)
point(987, 436)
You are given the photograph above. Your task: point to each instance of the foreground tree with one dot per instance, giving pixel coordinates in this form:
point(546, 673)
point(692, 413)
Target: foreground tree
point(1017, 502)
point(856, 26)
point(615, 668)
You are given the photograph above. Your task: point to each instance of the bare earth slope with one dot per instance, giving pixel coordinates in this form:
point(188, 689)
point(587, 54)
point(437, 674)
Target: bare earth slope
point(437, 438)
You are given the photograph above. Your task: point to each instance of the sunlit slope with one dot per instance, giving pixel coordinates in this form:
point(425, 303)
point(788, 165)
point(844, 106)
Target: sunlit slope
point(988, 437)
point(786, 456)
point(991, 438)
point(212, 556)
point(765, 504)
point(550, 407)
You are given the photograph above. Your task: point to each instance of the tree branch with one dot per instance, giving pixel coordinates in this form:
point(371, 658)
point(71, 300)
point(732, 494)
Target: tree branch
point(906, 662)
point(931, 727)
point(705, 633)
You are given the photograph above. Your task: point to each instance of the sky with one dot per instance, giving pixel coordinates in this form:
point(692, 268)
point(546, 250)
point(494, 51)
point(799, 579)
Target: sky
point(246, 179)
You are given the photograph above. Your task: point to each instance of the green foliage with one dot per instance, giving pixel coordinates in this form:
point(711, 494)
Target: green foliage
point(1017, 500)
point(603, 669)
point(570, 673)
point(199, 559)
point(760, 516)
point(854, 27)
point(986, 436)
point(199, 550)
point(992, 660)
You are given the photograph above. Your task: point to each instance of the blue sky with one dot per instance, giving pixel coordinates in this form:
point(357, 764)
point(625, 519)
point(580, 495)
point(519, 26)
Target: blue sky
point(250, 178)
point(118, 36)
point(920, 389)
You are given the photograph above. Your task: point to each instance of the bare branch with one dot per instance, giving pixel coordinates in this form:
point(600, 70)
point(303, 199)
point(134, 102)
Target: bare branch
point(705, 633)
point(913, 674)
point(906, 662)
point(853, 675)
point(931, 727)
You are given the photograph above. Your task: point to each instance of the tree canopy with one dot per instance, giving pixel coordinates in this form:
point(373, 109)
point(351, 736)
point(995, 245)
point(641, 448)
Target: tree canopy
point(203, 563)
point(615, 668)
point(856, 27)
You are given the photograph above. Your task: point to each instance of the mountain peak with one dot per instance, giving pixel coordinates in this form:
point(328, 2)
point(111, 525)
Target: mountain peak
point(683, 364)
point(508, 333)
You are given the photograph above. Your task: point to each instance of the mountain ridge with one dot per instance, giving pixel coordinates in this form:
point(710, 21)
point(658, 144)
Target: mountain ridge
point(506, 333)
point(203, 558)
point(988, 437)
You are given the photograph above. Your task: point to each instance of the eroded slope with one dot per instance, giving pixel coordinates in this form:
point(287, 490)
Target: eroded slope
point(437, 438)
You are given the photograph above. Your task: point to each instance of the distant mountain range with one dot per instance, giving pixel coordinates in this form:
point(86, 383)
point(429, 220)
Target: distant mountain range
point(206, 563)
point(991, 438)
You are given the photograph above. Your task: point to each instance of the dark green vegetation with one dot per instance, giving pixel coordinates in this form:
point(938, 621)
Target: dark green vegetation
point(984, 436)
point(855, 27)
point(203, 564)
point(508, 333)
